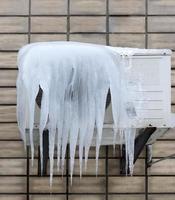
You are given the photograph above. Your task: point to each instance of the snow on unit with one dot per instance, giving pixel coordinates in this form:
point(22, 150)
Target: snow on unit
point(75, 79)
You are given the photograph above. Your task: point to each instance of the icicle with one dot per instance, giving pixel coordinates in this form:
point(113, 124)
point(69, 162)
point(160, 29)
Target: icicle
point(66, 123)
point(52, 133)
point(21, 109)
point(31, 99)
point(115, 89)
point(126, 151)
point(59, 129)
point(91, 88)
point(83, 116)
point(121, 138)
point(62, 79)
point(129, 135)
point(100, 102)
point(100, 112)
point(90, 130)
point(131, 150)
point(74, 130)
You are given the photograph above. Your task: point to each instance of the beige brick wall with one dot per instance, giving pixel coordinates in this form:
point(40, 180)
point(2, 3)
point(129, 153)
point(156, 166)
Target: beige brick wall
point(133, 23)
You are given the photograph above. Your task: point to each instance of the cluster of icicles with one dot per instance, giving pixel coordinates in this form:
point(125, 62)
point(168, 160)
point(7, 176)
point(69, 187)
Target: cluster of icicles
point(75, 79)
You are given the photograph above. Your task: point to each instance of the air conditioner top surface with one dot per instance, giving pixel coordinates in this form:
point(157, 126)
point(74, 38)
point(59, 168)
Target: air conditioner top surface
point(142, 52)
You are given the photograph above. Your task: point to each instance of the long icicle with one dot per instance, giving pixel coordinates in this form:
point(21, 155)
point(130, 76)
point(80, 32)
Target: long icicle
point(21, 109)
point(83, 117)
point(61, 111)
point(91, 88)
point(101, 95)
point(31, 117)
point(74, 130)
point(52, 133)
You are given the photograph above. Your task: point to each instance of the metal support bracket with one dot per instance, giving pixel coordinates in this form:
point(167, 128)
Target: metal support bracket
point(45, 154)
point(150, 162)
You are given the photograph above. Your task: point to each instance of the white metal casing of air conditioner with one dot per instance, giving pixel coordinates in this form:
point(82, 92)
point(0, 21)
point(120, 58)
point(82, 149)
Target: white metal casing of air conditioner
point(154, 97)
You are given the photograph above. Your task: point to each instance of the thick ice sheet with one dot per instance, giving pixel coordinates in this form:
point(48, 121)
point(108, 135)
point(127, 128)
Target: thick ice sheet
point(75, 79)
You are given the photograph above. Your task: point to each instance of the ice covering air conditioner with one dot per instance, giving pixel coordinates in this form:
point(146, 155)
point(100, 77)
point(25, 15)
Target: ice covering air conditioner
point(152, 68)
point(74, 80)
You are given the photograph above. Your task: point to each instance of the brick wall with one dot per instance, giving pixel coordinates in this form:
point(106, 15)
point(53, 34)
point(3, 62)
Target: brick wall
point(133, 23)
